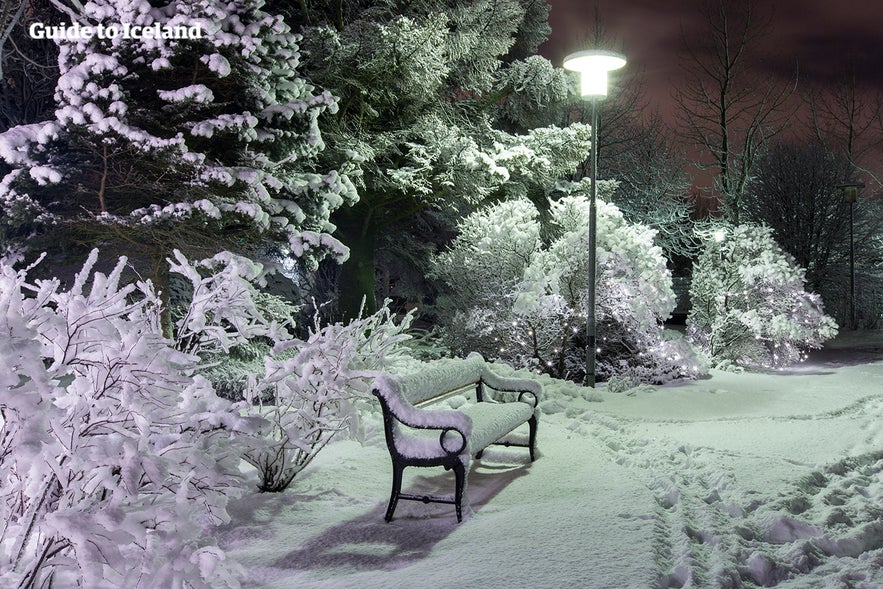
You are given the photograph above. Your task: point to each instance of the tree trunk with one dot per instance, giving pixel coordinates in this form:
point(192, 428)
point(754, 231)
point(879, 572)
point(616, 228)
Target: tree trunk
point(357, 229)
point(160, 276)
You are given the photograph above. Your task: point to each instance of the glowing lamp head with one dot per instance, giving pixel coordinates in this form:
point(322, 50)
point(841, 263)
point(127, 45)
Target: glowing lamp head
point(593, 65)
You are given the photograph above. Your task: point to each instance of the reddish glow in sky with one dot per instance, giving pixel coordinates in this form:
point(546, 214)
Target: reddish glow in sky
point(818, 37)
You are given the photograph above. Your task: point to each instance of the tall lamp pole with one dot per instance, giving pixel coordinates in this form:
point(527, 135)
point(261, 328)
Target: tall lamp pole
point(593, 66)
point(850, 195)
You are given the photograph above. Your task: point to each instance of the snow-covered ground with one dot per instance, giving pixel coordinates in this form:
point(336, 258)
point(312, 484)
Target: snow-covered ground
point(738, 480)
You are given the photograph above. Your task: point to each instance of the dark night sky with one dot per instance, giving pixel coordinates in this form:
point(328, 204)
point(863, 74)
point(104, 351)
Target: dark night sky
point(821, 36)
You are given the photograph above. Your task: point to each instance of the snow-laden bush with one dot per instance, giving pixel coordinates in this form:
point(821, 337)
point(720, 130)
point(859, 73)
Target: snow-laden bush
point(749, 306)
point(309, 388)
point(510, 297)
point(115, 457)
point(305, 388)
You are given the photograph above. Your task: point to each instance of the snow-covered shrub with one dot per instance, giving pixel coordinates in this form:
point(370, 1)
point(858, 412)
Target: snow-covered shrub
point(511, 297)
point(224, 308)
point(749, 306)
point(115, 457)
point(309, 388)
point(221, 316)
point(305, 388)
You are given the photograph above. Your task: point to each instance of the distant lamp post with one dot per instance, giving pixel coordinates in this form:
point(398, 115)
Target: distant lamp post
point(719, 236)
point(850, 194)
point(593, 66)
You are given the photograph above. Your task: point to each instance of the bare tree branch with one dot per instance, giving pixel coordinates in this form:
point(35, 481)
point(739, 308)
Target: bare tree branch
point(9, 18)
point(74, 11)
point(724, 109)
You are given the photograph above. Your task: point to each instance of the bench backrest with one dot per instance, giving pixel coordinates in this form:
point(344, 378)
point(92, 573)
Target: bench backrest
point(443, 377)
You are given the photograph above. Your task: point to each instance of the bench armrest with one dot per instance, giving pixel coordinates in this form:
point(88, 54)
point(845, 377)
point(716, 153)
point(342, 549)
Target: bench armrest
point(529, 391)
point(453, 426)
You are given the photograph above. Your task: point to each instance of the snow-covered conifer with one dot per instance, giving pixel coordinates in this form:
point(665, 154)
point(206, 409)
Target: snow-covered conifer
point(201, 144)
point(439, 99)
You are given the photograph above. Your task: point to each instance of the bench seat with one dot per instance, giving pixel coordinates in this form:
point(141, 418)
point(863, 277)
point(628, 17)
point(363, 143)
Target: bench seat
point(489, 419)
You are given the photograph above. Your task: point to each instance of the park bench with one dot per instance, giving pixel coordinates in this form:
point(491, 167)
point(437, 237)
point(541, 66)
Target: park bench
point(418, 436)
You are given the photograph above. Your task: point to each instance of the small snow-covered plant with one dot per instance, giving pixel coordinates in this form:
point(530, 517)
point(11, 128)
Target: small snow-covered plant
point(221, 315)
point(224, 308)
point(749, 306)
point(309, 388)
point(511, 297)
point(115, 458)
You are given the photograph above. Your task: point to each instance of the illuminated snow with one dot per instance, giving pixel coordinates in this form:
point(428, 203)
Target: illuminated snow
point(745, 478)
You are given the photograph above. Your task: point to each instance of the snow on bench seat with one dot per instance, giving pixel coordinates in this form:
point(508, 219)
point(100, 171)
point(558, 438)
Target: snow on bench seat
point(489, 419)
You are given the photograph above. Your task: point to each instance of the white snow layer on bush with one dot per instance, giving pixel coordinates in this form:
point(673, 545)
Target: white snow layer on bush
point(116, 458)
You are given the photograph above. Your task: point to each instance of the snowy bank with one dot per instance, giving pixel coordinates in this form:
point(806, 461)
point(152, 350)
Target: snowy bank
point(739, 480)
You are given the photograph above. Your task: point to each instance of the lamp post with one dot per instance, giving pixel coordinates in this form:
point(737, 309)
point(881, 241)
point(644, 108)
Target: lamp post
point(850, 195)
point(593, 66)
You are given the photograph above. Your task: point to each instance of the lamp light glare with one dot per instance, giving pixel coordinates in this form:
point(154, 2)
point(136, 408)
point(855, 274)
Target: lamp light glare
point(593, 83)
point(593, 65)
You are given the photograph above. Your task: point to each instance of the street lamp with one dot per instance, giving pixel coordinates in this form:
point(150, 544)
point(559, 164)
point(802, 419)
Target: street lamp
point(593, 66)
point(850, 195)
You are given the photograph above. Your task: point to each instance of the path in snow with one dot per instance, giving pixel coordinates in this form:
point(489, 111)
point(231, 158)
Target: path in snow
point(740, 480)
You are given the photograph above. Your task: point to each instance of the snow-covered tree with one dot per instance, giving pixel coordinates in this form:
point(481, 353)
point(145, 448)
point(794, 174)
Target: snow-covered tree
point(201, 144)
point(749, 306)
point(436, 102)
point(512, 297)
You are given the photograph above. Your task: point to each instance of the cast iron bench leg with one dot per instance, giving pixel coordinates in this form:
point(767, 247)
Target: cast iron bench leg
point(532, 422)
point(396, 489)
point(460, 474)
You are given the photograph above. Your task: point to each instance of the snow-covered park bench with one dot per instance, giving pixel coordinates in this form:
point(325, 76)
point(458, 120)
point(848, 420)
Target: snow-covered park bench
point(419, 436)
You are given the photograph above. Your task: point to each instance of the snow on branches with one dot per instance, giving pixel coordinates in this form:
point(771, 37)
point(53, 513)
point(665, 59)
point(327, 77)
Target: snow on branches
point(309, 388)
point(115, 457)
point(181, 141)
point(511, 297)
point(749, 306)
